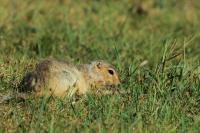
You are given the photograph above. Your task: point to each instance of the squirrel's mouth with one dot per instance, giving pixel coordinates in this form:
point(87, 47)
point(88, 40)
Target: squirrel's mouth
point(110, 89)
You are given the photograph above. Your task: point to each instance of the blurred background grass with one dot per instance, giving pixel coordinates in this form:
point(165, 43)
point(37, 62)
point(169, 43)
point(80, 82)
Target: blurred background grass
point(123, 32)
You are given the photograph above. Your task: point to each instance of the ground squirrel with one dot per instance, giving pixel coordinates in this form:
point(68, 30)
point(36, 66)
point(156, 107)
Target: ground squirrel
point(58, 78)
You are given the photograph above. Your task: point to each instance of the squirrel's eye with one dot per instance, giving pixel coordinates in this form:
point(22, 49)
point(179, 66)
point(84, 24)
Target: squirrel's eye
point(110, 71)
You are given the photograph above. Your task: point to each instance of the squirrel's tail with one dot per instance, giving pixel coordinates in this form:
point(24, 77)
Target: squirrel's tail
point(6, 98)
point(23, 90)
point(9, 97)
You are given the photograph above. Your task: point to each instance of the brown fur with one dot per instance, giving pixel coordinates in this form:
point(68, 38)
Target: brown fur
point(58, 78)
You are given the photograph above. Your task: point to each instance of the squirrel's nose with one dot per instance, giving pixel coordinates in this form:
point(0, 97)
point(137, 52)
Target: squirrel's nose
point(118, 82)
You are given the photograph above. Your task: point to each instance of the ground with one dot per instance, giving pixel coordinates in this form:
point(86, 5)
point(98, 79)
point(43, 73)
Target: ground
point(162, 96)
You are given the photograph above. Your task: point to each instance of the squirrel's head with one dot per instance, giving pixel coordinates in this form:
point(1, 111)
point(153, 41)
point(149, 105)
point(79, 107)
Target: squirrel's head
point(103, 74)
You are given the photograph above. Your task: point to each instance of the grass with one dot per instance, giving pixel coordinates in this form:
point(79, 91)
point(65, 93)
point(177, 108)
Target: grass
point(164, 95)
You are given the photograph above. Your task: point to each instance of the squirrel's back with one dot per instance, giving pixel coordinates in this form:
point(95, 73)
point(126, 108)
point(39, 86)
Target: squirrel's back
point(52, 77)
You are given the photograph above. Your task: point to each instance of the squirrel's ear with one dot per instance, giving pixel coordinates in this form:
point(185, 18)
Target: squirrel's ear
point(99, 65)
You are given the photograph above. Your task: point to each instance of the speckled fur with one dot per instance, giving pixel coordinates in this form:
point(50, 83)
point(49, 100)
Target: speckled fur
point(61, 79)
